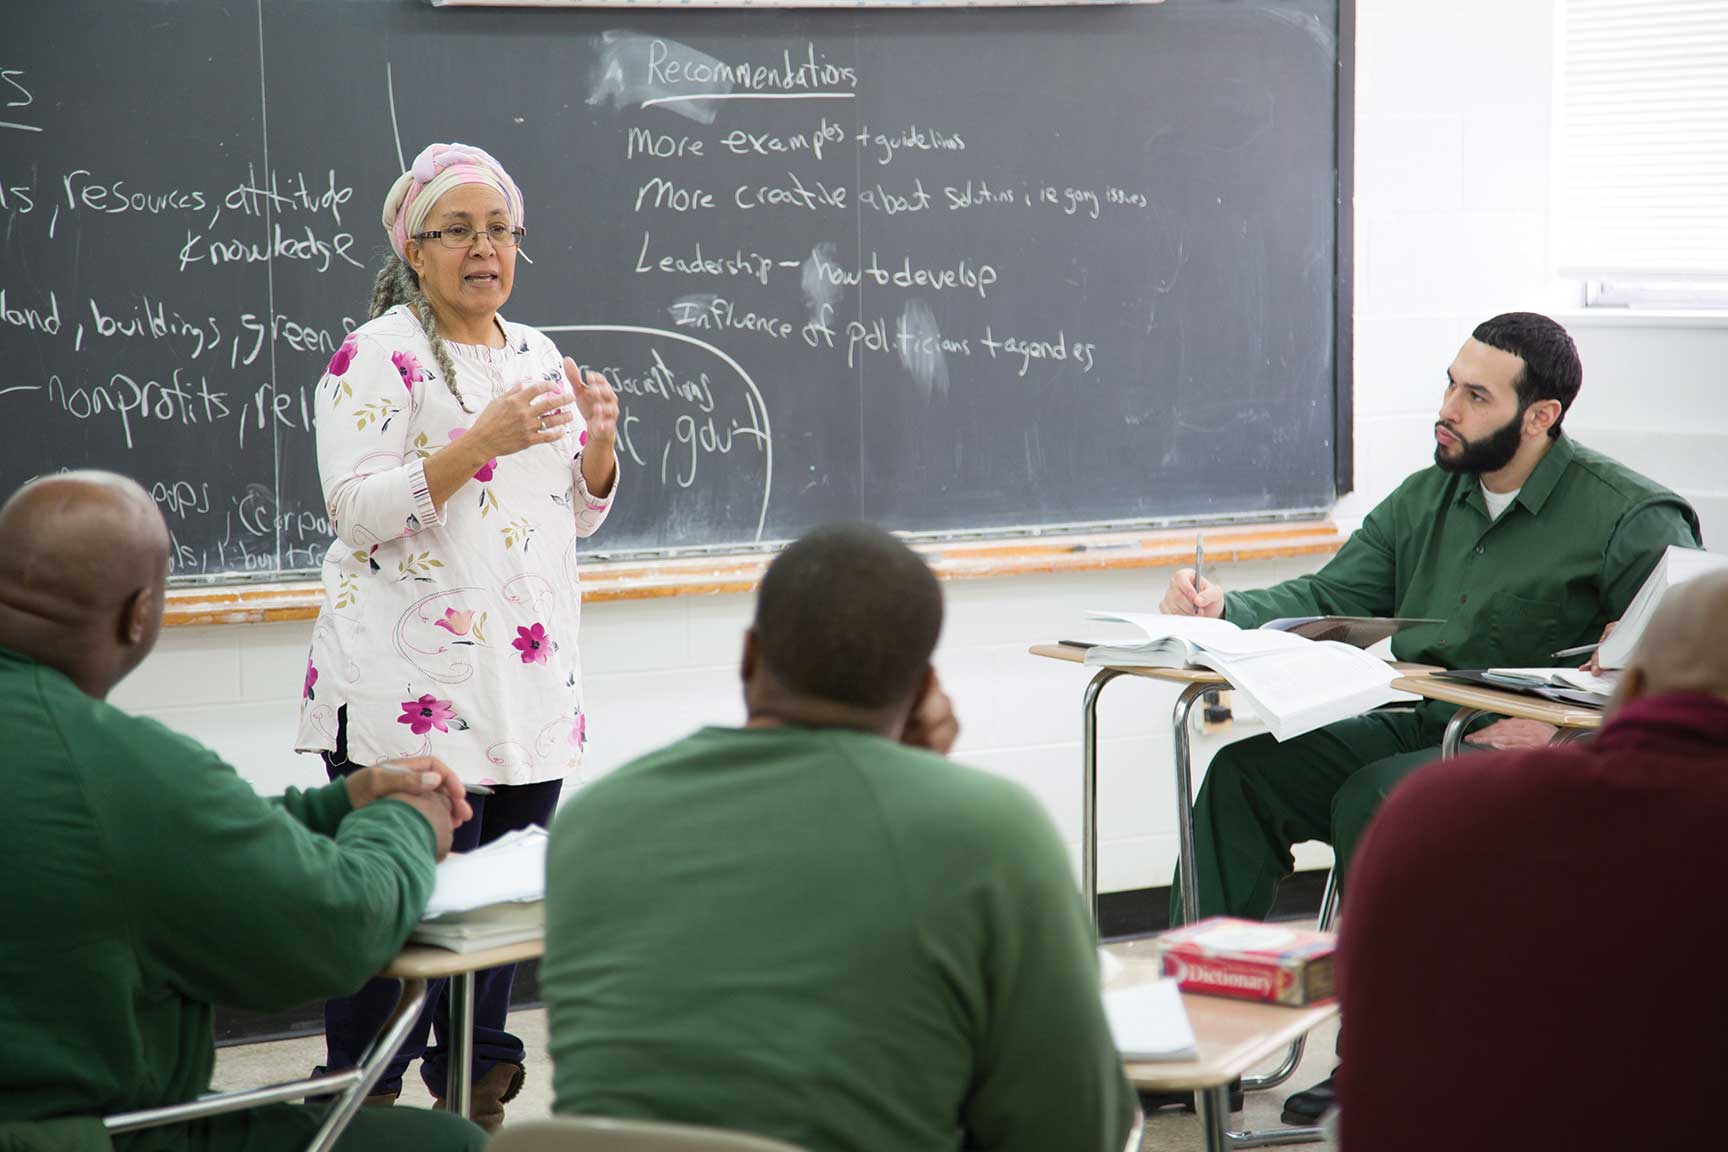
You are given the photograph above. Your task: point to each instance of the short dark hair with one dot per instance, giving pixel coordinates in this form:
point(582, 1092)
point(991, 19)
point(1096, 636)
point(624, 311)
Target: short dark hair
point(849, 614)
point(1552, 370)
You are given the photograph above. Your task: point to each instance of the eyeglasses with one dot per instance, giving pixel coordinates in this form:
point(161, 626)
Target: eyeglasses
point(460, 236)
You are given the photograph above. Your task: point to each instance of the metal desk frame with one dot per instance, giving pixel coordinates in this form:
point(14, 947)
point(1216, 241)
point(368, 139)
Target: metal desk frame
point(416, 966)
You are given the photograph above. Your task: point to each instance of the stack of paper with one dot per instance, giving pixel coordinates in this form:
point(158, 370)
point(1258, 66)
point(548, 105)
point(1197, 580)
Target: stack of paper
point(1295, 684)
point(1677, 566)
point(1148, 1022)
point(490, 927)
point(488, 897)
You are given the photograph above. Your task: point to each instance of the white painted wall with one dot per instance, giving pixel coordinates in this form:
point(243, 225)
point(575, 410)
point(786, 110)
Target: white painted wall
point(1452, 192)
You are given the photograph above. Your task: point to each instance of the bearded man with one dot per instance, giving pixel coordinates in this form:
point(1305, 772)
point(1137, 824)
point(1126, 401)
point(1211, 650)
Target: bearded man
point(1518, 539)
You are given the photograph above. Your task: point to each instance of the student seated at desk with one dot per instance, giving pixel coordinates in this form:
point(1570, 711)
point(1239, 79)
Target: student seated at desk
point(1520, 539)
point(141, 879)
point(815, 927)
point(1522, 923)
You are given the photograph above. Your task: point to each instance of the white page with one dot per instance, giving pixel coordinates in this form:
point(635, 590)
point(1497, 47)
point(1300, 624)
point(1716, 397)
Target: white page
point(513, 867)
point(1148, 1022)
point(1296, 692)
point(1677, 566)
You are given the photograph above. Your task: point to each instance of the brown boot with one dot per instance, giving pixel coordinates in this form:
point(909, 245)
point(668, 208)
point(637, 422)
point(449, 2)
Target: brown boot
point(491, 1092)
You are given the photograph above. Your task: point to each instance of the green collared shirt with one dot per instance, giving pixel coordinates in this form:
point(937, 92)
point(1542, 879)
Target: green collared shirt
point(1563, 560)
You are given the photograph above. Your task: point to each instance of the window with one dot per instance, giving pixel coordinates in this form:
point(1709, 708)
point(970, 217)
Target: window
point(1640, 176)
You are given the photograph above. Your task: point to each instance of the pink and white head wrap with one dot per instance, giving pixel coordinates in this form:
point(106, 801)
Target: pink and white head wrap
point(439, 168)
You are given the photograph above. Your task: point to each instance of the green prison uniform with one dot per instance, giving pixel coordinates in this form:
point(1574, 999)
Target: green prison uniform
point(824, 937)
point(1562, 562)
point(142, 880)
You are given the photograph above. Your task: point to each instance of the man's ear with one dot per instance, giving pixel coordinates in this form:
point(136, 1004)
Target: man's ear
point(136, 617)
point(1540, 417)
point(747, 666)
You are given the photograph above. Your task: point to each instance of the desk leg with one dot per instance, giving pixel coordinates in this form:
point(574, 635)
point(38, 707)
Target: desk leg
point(1179, 717)
point(459, 1095)
point(1089, 790)
point(372, 1065)
point(1454, 737)
point(1214, 1118)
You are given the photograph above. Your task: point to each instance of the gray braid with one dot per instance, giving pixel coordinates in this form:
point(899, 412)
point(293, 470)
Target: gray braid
point(398, 284)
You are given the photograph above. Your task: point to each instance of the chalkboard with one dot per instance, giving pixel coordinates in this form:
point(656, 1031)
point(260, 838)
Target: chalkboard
point(948, 270)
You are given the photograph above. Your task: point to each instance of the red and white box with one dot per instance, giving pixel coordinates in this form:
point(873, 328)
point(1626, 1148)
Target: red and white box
point(1249, 960)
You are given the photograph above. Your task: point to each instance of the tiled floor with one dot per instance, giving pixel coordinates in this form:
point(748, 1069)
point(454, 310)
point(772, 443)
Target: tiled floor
point(253, 1064)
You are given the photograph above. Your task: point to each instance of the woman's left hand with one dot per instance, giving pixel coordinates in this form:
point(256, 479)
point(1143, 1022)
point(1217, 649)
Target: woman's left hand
point(597, 403)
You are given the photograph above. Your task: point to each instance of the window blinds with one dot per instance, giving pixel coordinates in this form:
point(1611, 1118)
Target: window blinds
point(1641, 143)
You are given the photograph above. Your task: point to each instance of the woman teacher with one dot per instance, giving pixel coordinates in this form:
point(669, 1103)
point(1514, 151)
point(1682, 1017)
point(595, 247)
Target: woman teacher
point(461, 457)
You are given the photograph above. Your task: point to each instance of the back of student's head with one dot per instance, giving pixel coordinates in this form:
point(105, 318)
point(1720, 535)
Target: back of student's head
point(1552, 370)
point(849, 614)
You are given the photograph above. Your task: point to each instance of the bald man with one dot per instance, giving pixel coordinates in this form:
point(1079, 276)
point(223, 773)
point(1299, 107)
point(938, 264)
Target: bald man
point(142, 880)
point(1515, 920)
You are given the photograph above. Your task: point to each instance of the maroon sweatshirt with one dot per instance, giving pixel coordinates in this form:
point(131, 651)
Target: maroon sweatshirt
point(1534, 947)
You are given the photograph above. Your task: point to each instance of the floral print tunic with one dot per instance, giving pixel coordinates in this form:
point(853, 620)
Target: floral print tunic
point(448, 634)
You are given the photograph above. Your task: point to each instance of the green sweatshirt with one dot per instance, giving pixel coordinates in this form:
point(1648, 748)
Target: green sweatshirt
point(825, 937)
point(142, 880)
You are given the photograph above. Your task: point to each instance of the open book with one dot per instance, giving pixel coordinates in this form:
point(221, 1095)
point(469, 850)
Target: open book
point(1295, 684)
point(488, 897)
point(1677, 566)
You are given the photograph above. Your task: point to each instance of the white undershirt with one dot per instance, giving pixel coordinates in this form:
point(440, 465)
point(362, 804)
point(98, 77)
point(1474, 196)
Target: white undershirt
point(1498, 502)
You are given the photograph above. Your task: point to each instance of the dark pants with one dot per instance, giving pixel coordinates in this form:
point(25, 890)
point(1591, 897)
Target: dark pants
point(1261, 797)
point(351, 1023)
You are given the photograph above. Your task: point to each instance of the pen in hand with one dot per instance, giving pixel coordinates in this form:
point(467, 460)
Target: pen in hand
point(1580, 650)
point(1199, 566)
point(399, 770)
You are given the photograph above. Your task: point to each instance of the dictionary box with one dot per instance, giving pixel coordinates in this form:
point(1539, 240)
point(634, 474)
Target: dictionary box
point(1221, 956)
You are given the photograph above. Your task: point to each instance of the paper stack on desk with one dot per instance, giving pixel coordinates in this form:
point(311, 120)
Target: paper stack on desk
point(1148, 1022)
point(1573, 679)
point(1295, 684)
point(489, 897)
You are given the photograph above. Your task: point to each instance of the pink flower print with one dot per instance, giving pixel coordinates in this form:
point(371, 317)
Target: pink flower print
point(408, 365)
point(533, 643)
point(582, 440)
point(486, 469)
point(454, 622)
point(311, 679)
point(425, 714)
point(344, 355)
point(579, 730)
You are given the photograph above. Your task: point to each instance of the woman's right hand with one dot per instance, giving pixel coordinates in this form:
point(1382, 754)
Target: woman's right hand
point(521, 417)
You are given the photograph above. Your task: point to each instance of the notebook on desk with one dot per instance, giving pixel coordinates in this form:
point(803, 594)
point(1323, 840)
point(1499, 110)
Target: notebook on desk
point(1482, 678)
point(1148, 1022)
